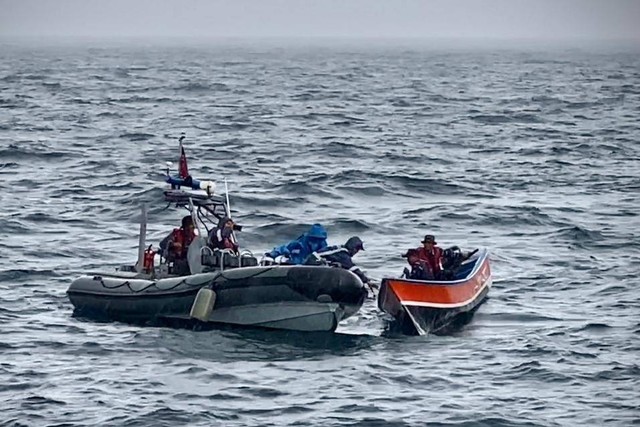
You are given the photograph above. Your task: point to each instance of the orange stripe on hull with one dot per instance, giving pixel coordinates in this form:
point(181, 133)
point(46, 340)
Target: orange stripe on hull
point(442, 294)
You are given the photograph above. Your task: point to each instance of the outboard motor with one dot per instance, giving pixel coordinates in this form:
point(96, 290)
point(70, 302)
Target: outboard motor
point(451, 259)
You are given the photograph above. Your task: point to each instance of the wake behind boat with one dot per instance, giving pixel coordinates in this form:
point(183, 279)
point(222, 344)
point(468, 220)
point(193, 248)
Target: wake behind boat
point(420, 307)
point(214, 285)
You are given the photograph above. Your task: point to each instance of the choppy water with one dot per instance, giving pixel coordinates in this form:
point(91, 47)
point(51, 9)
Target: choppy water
point(534, 154)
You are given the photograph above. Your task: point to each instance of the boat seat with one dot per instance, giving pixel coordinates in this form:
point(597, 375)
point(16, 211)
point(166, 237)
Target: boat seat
point(217, 258)
point(247, 260)
point(223, 259)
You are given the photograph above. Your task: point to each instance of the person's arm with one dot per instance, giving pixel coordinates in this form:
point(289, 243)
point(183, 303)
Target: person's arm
point(165, 245)
point(279, 251)
point(347, 263)
point(211, 238)
point(332, 255)
point(360, 274)
point(314, 259)
point(297, 252)
point(224, 233)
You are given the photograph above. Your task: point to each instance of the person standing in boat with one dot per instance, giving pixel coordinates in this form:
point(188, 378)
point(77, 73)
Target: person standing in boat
point(297, 251)
point(174, 247)
point(222, 236)
point(341, 256)
point(431, 255)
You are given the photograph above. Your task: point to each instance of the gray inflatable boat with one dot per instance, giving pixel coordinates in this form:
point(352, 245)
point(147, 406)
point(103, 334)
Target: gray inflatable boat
point(295, 297)
point(217, 286)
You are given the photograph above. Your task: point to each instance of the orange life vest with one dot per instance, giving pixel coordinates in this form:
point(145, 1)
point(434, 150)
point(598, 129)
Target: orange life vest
point(433, 258)
point(180, 243)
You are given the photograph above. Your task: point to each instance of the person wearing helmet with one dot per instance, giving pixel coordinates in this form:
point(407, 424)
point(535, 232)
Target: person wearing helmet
point(297, 251)
point(341, 256)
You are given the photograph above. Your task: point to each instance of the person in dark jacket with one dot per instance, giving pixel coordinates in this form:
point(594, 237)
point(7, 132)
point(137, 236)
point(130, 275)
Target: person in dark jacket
point(222, 237)
point(341, 256)
point(297, 251)
point(420, 270)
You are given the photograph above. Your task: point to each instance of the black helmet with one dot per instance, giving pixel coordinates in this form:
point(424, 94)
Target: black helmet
point(354, 244)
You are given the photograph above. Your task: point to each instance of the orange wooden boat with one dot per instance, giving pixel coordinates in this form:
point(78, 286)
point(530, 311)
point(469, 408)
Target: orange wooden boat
point(420, 307)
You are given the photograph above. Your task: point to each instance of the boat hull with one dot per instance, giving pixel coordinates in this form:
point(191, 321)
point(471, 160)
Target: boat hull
point(422, 307)
point(305, 298)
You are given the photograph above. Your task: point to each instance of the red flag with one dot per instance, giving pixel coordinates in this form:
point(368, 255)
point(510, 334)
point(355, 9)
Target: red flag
point(183, 170)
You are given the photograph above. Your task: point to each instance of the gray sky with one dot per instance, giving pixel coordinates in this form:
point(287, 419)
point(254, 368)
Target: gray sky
point(456, 19)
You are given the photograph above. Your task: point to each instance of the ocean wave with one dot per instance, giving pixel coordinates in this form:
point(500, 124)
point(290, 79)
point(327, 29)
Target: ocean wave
point(13, 275)
point(140, 136)
point(349, 225)
point(20, 152)
point(202, 87)
point(4, 167)
point(136, 99)
point(579, 235)
point(496, 119)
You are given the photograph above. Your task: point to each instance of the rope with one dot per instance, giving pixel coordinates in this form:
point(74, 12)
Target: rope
point(150, 285)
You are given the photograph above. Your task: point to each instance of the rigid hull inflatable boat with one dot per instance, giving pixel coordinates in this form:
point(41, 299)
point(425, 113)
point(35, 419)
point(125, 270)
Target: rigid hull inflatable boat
point(216, 286)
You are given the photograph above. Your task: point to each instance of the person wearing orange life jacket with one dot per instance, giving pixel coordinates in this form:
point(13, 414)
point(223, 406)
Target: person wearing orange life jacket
point(174, 247)
point(431, 255)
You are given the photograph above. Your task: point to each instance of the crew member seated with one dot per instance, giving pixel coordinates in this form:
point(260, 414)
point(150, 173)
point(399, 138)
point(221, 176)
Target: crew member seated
point(420, 270)
point(174, 247)
point(423, 260)
point(297, 251)
point(340, 256)
point(222, 236)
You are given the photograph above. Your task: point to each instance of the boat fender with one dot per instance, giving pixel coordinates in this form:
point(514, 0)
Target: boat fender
point(203, 305)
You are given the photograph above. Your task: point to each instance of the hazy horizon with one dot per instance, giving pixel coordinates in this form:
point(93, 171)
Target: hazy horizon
point(542, 21)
